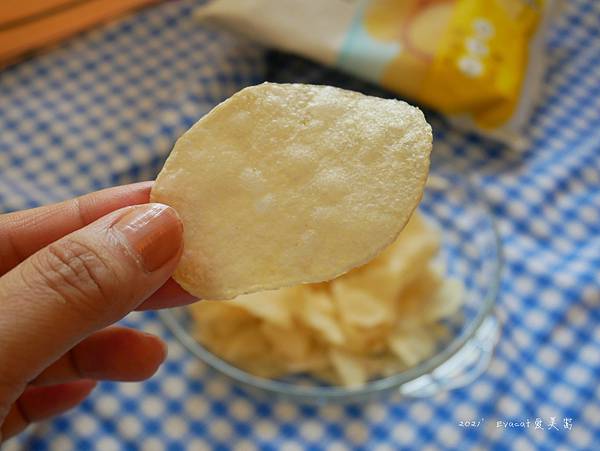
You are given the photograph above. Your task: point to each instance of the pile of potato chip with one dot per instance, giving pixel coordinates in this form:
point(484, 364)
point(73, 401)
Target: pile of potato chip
point(373, 321)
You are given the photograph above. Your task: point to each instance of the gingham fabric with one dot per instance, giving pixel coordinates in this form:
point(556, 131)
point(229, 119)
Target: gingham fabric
point(105, 109)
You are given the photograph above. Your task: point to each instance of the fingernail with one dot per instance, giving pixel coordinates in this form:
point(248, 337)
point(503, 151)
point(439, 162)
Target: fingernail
point(153, 233)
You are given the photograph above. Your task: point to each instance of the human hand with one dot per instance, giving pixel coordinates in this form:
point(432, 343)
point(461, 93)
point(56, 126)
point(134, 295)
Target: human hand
point(67, 271)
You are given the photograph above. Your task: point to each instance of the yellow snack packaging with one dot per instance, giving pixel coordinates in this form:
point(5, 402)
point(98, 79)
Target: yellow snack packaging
point(478, 62)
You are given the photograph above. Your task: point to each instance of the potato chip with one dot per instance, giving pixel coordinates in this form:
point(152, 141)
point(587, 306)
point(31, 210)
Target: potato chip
point(366, 340)
point(446, 301)
point(412, 345)
point(264, 366)
point(414, 301)
point(209, 314)
point(285, 184)
point(358, 307)
point(317, 311)
point(328, 374)
point(296, 345)
point(270, 305)
point(317, 359)
point(383, 365)
point(350, 369)
point(414, 251)
point(245, 344)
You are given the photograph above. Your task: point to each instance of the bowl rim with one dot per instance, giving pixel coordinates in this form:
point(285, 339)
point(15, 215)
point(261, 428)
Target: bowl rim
point(394, 381)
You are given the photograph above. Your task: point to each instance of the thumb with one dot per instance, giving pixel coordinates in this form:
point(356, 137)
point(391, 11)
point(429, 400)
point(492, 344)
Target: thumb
point(81, 283)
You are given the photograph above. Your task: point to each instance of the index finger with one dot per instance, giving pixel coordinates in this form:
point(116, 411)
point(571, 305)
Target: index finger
point(25, 232)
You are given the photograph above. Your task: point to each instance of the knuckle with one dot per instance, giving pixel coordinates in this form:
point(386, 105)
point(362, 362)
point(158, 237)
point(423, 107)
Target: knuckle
point(76, 273)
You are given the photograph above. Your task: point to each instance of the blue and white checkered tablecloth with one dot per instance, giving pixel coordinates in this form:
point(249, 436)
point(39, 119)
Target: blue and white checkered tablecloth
point(105, 109)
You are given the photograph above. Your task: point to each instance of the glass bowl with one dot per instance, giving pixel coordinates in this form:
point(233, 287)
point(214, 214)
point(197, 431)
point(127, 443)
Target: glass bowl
point(470, 251)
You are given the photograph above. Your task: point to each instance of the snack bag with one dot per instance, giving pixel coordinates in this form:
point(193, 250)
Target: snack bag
point(479, 62)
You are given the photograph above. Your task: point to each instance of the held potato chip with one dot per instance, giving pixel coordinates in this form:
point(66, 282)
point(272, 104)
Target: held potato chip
point(284, 184)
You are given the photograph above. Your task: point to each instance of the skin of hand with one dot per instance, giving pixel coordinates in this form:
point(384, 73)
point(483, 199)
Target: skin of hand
point(67, 272)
